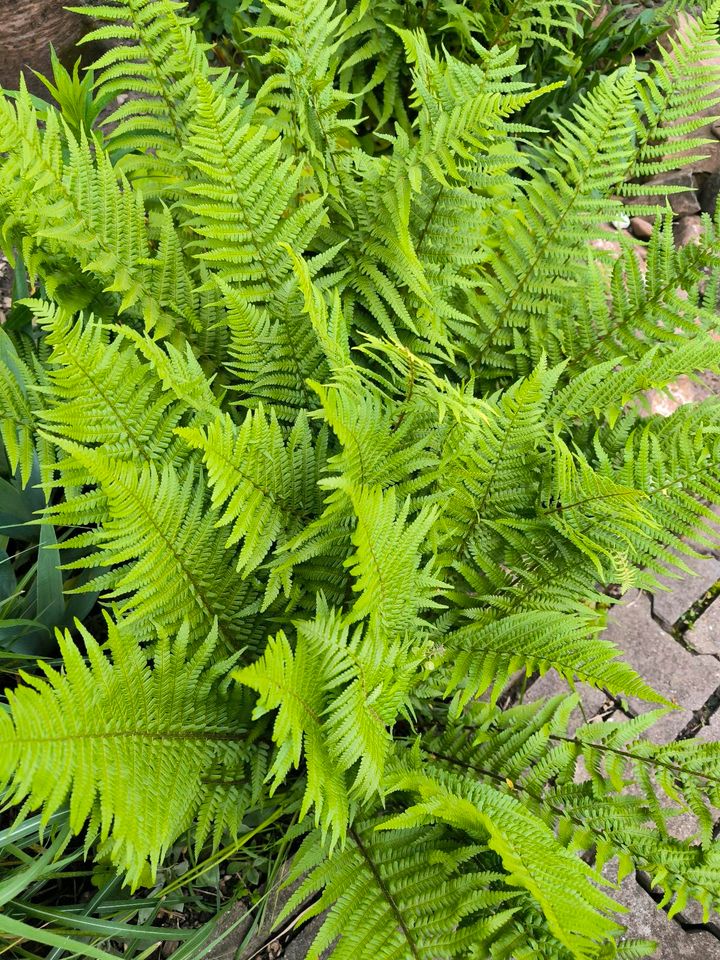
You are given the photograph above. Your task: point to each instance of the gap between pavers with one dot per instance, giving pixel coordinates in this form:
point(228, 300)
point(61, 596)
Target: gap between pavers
point(645, 920)
point(704, 635)
point(669, 605)
point(685, 678)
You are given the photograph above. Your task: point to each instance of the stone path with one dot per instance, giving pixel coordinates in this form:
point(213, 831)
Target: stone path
point(673, 640)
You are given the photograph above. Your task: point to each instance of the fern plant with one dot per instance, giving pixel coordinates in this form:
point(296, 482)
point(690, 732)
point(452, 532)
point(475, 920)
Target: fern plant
point(343, 438)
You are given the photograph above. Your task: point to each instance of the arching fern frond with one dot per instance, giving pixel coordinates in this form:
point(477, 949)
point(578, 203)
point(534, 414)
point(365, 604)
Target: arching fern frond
point(156, 56)
point(127, 740)
point(166, 561)
point(577, 912)
point(674, 94)
point(100, 393)
point(242, 201)
point(530, 279)
point(400, 893)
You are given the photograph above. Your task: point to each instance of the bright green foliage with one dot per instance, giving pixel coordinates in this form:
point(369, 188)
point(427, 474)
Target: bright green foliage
point(336, 696)
point(324, 393)
point(268, 488)
point(133, 744)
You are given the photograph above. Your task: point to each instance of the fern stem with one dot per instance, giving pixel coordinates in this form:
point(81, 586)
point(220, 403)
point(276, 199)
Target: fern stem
point(650, 761)
point(386, 893)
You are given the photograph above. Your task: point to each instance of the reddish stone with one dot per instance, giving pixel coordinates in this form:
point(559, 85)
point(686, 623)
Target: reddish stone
point(641, 227)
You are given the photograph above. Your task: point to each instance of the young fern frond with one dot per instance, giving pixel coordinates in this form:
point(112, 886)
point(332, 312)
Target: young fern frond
point(271, 360)
point(336, 693)
point(302, 95)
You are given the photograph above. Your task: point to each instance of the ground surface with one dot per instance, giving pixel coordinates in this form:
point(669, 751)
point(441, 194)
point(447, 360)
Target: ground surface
point(673, 640)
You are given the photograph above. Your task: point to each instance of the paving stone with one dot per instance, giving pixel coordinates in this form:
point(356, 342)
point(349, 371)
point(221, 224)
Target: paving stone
point(704, 635)
point(641, 227)
point(692, 913)
point(682, 594)
point(685, 678)
point(300, 944)
point(644, 920)
point(688, 230)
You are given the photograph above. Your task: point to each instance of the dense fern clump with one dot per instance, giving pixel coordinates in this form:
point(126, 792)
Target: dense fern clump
point(343, 422)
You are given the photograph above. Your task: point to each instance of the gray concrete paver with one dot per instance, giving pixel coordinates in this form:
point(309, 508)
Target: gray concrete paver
point(645, 920)
point(704, 635)
point(674, 672)
point(670, 605)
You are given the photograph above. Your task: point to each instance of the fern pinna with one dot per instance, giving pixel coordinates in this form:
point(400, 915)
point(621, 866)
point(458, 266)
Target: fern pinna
point(343, 422)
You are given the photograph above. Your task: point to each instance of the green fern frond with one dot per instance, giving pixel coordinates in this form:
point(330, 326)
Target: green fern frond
point(242, 199)
point(128, 741)
point(576, 911)
point(394, 584)
point(573, 778)
point(101, 393)
point(301, 92)
point(336, 694)
point(271, 361)
point(84, 207)
point(22, 404)
point(399, 894)
point(166, 562)
point(486, 653)
point(156, 57)
point(530, 278)
point(683, 83)
point(266, 487)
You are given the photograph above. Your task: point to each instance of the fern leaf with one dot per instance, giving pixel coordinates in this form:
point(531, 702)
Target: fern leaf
point(128, 742)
